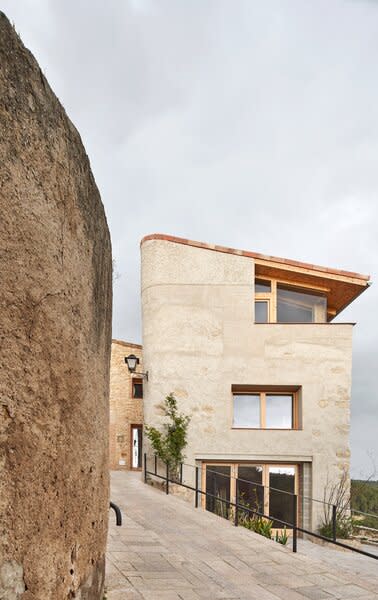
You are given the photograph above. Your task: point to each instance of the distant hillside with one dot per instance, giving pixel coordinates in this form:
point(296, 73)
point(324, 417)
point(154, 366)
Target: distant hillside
point(365, 498)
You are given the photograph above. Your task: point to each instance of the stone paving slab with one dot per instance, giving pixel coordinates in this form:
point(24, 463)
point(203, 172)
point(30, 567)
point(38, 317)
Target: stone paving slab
point(168, 550)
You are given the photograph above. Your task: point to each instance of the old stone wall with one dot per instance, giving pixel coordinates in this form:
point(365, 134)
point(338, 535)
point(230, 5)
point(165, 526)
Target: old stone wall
point(55, 337)
point(125, 409)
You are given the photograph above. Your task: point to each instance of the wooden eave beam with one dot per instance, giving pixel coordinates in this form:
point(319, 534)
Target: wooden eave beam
point(312, 272)
point(340, 289)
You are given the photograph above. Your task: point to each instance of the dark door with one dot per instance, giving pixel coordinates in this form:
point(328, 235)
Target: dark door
point(218, 478)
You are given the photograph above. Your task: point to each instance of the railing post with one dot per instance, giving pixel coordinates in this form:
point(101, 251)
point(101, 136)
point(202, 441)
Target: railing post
point(334, 522)
point(155, 464)
point(295, 517)
point(196, 492)
point(167, 479)
point(145, 468)
point(236, 515)
point(180, 473)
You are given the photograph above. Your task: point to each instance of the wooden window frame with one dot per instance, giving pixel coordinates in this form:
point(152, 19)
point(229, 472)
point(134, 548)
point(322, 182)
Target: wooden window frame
point(132, 382)
point(271, 297)
point(269, 308)
point(234, 472)
point(263, 393)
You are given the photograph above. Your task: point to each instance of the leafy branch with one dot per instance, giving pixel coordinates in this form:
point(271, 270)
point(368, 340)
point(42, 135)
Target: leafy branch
point(170, 443)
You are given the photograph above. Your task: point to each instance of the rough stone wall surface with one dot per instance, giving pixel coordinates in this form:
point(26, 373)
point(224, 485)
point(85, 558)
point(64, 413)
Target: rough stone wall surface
point(199, 338)
point(124, 409)
point(55, 338)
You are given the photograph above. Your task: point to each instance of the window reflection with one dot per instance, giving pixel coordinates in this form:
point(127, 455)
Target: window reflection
point(300, 306)
point(279, 411)
point(247, 410)
point(281, 505)
point(262, 286)
point(250, 491)
point(261, 311)
point(218, 485)
point(248, 481)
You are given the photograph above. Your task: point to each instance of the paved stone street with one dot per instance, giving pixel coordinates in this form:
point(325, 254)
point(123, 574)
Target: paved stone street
point(168, 550)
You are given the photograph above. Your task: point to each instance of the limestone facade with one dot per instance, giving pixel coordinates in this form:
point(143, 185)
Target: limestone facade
point(200, 341)
point(126, 408)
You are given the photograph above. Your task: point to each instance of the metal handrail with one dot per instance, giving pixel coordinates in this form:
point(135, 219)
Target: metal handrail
point(294, 525)
point(360, 512)
point(118, 513)
point(262, 485)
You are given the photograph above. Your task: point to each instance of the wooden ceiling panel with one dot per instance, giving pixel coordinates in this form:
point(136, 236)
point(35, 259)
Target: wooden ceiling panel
point(339, 289)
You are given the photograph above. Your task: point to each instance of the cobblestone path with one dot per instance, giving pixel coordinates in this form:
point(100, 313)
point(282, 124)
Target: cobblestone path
point(168, 550)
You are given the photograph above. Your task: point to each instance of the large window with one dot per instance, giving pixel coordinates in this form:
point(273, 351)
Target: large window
point(266, 488)
point(265, 410)
point(278, 302)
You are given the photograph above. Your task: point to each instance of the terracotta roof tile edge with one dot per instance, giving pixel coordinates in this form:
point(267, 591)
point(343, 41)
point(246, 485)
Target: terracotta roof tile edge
point(248, 254)
point(122, 343)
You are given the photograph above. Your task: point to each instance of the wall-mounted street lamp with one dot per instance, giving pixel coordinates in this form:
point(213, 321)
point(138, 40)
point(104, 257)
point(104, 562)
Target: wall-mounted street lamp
point(132, 361)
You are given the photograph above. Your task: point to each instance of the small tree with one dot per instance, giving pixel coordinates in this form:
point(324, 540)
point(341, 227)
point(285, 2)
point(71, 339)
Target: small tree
point(169, 444)
point(337, 494)
point(343, 495)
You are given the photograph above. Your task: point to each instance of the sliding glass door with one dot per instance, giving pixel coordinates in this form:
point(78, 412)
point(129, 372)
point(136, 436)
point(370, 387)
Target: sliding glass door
point(249, 486)
point(218, 478)
point(266, 488)
point(281, 490)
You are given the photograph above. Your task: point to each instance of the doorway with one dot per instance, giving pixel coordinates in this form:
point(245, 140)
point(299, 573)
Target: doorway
point(136, 446)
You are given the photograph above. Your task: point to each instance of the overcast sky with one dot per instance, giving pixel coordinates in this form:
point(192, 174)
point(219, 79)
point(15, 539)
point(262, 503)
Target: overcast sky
point(243, 123)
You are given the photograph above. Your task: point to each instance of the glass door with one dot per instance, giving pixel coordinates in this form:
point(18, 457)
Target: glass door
point(218, 478)
point(266, 488)
point(282, 484)
point(136, 446)
point(249, 487)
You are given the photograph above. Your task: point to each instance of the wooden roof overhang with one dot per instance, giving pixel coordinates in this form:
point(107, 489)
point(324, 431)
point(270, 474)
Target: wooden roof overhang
point(340, 287)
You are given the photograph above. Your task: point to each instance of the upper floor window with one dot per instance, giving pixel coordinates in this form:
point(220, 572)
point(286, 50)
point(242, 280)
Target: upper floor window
point(278, 302)
point(265, 410)
point(137, 388)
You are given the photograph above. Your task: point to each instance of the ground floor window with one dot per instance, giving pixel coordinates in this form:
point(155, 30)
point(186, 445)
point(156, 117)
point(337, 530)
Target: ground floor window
point(267, 488)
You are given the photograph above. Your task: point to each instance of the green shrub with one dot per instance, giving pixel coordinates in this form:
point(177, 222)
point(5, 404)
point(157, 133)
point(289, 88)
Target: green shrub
point(281, 537)
point(344, 527)
point(169, 444)
point(364, 495)
point(337, 494)
point(259, 525)
point(369, 521)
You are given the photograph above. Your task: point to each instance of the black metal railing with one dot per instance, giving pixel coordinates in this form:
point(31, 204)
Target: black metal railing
point(239, 508)
point(118, 513)
point(360, 515)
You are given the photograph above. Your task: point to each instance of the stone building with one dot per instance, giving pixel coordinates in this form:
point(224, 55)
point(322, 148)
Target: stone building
point(126, 408)
point(248, 345)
